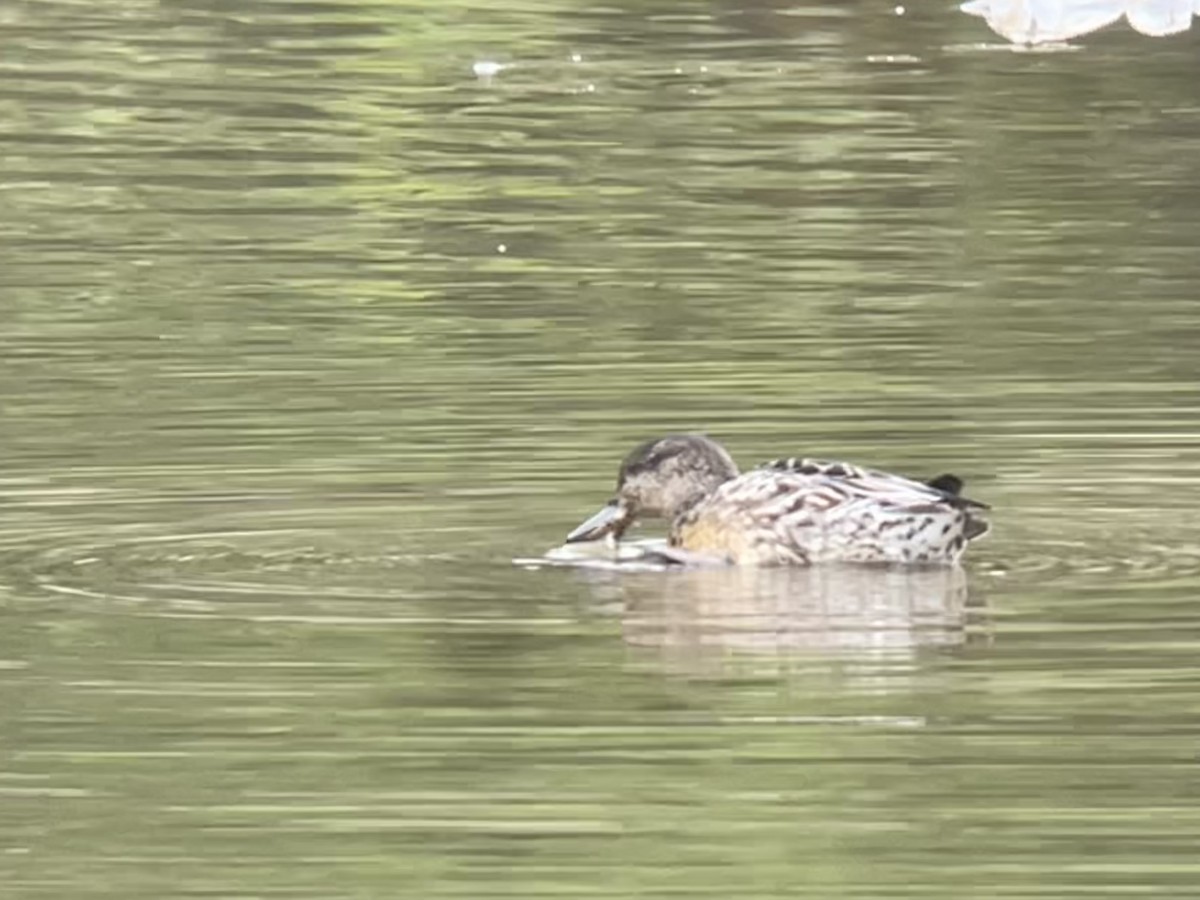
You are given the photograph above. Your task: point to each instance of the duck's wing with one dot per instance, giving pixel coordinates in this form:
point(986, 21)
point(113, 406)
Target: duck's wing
point(845, 482)
point(801, 511)
point(816, 510)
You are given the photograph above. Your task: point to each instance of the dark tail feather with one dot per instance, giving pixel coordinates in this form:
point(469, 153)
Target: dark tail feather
point(947, 484)
point(951, 487)
point(976, 528)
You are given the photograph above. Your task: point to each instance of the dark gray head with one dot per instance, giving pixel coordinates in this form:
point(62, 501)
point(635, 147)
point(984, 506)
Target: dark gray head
point(659, 479)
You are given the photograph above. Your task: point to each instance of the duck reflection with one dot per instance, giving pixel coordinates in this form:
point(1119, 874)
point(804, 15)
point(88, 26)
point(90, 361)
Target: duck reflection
point(701, 618)
point(704, 616)
point(834, 609)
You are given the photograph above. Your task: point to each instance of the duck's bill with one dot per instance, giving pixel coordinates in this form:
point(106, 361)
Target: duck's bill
point(611, 519)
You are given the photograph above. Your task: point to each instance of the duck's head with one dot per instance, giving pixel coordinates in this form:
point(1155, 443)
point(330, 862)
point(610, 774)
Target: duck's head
point(659, 479)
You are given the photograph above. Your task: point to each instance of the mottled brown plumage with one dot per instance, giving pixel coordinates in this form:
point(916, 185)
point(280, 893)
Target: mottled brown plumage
point(787, 512)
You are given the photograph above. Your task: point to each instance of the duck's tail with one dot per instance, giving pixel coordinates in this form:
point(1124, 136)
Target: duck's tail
point(976, 527)
point(951, 487)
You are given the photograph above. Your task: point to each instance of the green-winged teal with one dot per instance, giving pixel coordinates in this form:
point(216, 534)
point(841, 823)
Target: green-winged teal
point(786, 512)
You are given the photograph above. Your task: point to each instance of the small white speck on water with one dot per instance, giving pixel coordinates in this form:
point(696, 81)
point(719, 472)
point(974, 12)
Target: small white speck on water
point(704, 68)
point(591, 89)
point(502, 248)
point(576, 57)
point(900, 10)
point(678, 70)
point(486, 68)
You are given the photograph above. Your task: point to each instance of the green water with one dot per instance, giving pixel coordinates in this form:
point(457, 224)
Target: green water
point(306, 332)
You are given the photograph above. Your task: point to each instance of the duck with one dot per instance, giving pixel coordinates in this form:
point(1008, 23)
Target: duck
point(786, 512)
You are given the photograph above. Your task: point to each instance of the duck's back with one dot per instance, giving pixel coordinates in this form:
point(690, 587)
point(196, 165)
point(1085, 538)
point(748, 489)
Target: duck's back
point(799, 512)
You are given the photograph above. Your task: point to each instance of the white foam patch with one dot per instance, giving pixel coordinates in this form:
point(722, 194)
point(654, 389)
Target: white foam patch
point(1050, 21)
point(628, 556)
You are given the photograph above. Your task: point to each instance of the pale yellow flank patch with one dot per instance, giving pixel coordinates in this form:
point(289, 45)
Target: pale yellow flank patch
point(708, 536)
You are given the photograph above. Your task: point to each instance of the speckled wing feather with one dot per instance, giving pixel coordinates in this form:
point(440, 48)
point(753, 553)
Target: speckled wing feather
point(945, 487)
point(805, 511)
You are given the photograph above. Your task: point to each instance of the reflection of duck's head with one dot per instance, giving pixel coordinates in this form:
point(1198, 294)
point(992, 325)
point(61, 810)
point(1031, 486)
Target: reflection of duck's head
point(660, 479)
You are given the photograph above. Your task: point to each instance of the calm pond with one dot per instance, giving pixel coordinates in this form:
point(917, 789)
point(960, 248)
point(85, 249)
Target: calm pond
point(317, 315)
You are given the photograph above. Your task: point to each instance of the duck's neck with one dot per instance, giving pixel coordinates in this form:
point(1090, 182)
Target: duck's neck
point(695, 488)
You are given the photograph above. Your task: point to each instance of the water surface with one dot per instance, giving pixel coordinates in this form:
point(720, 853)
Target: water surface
point(308, 331)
